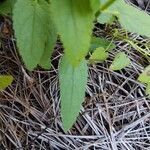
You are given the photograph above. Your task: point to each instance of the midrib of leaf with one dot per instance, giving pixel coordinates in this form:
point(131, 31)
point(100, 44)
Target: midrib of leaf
point(74, 23)
point(33, 23)
point(72, 87)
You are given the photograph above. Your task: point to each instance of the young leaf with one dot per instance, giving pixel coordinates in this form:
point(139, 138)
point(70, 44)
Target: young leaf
point(101, 42)
point(121, 61)
point(5, 81)
point(145, 76)
point(73, 82)
point(148, 89)
point(74, 22)
point(99, 54)
point(31, 28)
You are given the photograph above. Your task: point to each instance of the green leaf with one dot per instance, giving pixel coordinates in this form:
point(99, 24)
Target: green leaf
point(131, 18)
point(145, 76)
point(95, 4)
point(73, 82)
point(102, 2)
point(107, 17)
point(6, 6)
point(74, 22)
point(101, 42)
point(121, 61)
point(31, 28)
point(99, 54)
point(148, 89)
point(49, 46)
point(5, 81)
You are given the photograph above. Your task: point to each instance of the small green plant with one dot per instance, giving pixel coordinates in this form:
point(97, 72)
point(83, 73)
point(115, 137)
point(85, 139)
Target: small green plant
point(5, 81)
point(38, 23)
point(121, 61)
point(145, 78)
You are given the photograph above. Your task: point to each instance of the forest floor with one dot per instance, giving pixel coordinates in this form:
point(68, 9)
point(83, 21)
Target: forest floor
point(114, 116)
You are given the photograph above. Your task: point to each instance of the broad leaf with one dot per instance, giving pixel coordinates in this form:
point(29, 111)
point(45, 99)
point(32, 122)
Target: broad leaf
point(73, 82)
point(145, 76)
point(121, 61)
point(31, 29)
point(5, 81)
point(74, 22)
point(131, 18)
point(101, 42)
point(6, 6)
point(99, 54)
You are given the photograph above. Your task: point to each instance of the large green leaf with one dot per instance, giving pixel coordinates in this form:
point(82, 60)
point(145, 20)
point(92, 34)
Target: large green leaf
point(73, 82)
point(74, 22)
point(6, 6)
point(31, 28)
point(5, 81)
point(145, 75)
point(130, 17)
point(133, 19)
point(121, 61)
